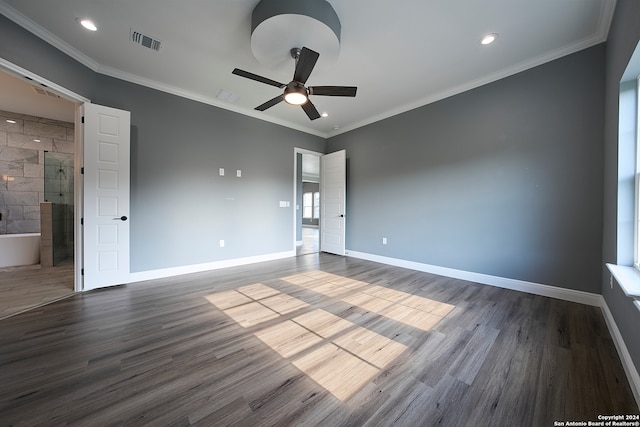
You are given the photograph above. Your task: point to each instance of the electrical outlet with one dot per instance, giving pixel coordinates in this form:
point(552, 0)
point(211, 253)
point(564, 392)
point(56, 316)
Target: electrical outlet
point(384, 240)
point(222, 243)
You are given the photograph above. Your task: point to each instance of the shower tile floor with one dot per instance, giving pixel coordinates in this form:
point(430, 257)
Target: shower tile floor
point(23, 288)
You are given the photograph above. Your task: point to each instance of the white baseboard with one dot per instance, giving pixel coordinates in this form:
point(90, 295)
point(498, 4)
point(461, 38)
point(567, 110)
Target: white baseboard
point(486, 279)
point(197, 268)
point(533, 288)
point(623, 352)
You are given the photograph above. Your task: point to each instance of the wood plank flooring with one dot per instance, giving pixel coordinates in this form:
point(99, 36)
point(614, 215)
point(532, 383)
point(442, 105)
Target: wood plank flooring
point(310, 241)
point(22, 288)
point(310, 340)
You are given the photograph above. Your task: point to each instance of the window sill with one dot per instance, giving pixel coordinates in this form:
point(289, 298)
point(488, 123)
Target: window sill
point(629, 280)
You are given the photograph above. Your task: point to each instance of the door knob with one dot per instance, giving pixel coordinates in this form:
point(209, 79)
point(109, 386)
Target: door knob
point(341, 215)
point(122, 218)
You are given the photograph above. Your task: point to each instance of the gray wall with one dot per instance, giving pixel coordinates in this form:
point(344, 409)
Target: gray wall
point(180, 207)
point(505, 179)
point(624, 36)
point(26, 50)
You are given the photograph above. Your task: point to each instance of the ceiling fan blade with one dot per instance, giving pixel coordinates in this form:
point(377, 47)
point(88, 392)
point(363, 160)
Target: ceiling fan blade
point(311, 110)
point(248, 75)
point(270, 103)
point(333, 90)
point(306, 61)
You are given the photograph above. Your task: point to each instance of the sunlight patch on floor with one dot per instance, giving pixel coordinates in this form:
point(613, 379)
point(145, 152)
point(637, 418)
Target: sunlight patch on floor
point(337, 354)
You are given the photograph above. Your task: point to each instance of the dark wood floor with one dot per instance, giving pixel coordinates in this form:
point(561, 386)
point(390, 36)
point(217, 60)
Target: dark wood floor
point(310, 340)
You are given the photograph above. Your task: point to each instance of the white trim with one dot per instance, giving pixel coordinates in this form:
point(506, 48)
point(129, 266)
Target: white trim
point(606, 13)
point(486, 279)
point(21, 73)
point(628, 278)
point(46, 35)
point(623, 352)
point(296, 151)
point(535, 288)
point(214, 265)
point(162, 87)
point(473, 84)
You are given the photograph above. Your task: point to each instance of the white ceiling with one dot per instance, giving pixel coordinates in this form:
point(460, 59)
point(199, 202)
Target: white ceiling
point(19, 96)
point(400, 54)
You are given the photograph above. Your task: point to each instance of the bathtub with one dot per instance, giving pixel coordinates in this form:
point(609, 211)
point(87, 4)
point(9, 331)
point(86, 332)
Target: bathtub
point(19, 249)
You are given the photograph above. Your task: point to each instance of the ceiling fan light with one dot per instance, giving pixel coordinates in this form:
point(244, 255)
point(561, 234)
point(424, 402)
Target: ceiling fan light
point(295, 95)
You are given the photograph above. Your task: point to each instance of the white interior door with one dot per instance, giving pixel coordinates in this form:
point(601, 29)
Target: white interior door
point(333, 176)
point(106, 196)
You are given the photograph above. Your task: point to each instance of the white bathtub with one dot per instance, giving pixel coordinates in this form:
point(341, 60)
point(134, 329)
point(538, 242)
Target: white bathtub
point(19, 249)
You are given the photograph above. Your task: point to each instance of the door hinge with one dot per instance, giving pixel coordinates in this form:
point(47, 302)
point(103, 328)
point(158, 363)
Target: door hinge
point(81, 171)
point(82, 119)
point(81, 221)
point(82, 272)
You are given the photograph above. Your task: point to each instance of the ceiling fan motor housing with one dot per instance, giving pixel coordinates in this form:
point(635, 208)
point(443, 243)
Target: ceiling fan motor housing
point(280, 25)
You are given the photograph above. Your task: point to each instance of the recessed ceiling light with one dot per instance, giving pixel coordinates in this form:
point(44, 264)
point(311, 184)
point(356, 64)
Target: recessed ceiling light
point(11, 121)
point(488, 38)
point(325, 114)
point(88, 24)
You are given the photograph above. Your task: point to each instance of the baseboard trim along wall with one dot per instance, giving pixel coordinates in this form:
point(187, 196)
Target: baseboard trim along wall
point(198, 268)
point(534, 288)
point(486, 279)
point(623, 352)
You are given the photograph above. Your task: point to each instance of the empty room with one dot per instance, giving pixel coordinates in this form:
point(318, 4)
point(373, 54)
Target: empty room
point(335, 213)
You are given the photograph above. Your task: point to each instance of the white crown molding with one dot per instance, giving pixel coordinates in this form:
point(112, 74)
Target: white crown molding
point(46, 35)
point(142, 81)
point(606, 15)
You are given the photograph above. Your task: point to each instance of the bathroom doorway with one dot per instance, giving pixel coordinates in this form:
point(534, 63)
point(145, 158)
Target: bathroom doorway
point(37, 134)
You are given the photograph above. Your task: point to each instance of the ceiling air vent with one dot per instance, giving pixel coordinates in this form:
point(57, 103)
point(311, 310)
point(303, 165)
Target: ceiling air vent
point(145, 40)
point(41, 91)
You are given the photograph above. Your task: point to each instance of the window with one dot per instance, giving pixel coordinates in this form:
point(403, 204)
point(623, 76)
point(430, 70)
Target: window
point(311, 205)
point(307, 205)
point(316, 205)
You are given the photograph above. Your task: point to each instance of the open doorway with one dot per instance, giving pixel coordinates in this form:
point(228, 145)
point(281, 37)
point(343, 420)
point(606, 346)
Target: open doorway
point(307, 197)
point(38, 185)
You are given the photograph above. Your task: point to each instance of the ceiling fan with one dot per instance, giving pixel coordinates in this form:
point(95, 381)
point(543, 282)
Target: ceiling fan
point(295, 92)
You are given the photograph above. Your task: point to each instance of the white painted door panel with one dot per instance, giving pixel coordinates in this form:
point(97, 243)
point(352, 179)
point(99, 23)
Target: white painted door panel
point(333, 202)
point(106, 196)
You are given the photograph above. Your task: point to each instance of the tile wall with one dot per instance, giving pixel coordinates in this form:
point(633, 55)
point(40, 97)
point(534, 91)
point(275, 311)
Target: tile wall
point(22, 147)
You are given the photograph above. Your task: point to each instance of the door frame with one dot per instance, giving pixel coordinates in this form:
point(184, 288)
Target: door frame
point(295, 209)
point(78, 184)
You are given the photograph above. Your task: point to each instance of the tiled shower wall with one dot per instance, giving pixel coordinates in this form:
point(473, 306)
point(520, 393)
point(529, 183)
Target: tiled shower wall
point(22, 147)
